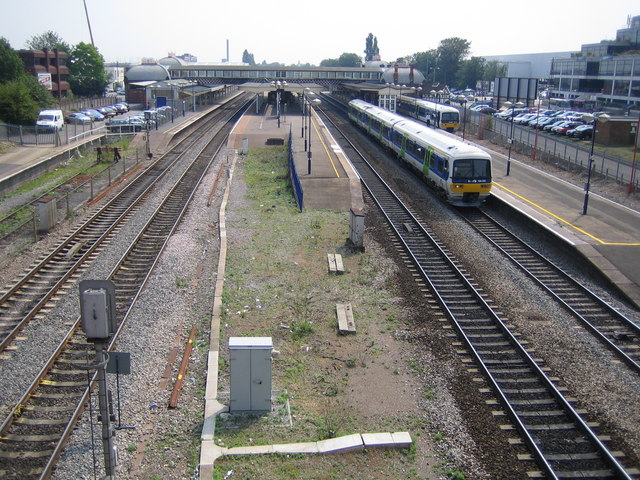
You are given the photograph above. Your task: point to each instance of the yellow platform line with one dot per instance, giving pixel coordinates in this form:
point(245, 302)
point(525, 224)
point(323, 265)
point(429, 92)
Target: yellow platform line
point(325, 148)
point(566, 222)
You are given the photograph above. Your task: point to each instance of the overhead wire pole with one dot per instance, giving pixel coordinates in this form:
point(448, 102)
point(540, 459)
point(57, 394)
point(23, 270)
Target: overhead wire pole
point(88, 22)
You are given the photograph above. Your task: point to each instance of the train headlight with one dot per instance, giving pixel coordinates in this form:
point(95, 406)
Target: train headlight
point(457, 187)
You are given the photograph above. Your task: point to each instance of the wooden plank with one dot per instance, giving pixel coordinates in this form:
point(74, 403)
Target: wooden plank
point(346, 324)
point(331, 259)
point(339, 264)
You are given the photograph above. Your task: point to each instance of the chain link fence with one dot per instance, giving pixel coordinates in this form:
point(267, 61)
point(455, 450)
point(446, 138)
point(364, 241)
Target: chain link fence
point(563, 152)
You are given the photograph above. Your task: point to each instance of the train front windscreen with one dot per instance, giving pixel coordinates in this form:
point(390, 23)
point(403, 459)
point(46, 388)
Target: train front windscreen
point(471, 170)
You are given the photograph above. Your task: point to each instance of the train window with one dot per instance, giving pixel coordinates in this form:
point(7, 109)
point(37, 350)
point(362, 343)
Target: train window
point(477, 169)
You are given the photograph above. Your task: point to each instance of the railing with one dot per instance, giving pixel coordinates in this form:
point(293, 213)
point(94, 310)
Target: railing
point(31, 135)
point(23, 226)
point(295, 181)
point(564, 152)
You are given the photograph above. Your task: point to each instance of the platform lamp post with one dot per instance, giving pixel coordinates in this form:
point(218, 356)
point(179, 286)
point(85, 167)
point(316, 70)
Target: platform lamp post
point(463, 101)
point(416, 91)
point(635, 153)
point(513, 107)
point(603, 118)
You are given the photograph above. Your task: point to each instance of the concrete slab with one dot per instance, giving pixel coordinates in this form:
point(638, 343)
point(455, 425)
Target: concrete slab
point(306, 447)
point(341, 444)
point(383, 439)
point(254, 450)
point(402, 439)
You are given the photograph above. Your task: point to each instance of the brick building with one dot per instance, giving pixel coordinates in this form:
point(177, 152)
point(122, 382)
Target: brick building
point(53, 62)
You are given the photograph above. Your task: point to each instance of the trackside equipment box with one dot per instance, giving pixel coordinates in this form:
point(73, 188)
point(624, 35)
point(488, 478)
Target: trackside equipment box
point(250, 366)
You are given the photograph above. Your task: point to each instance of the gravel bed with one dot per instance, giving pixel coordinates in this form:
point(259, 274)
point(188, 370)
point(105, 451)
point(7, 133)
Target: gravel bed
point(608, 391)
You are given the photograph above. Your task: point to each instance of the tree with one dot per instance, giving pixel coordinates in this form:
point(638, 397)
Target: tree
point(471, 71)
point(21, 96)
point(425, 62)
point(11, 66)
point(17, 105)
point(371, 48)
point(248, 58)
point(329, 62)
point(49, 40)
point(494, 69)
point(86, 70)
point(451, 52)
point(349, 60)
point(345, 60)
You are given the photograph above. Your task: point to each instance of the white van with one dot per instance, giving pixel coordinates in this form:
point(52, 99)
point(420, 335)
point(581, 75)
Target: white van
point(50, 121)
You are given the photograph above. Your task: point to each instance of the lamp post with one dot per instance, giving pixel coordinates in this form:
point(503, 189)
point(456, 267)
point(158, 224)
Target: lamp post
point(416, 91)
point(513, 107)
point(635, 152)
point(603, 117)
point(463, 101)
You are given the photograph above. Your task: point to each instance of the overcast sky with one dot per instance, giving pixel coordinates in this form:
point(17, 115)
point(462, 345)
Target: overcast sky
point(291, 32)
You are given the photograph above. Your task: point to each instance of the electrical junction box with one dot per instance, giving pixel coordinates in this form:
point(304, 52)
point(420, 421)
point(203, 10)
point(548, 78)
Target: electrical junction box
point(250, 365)
point(97, 308)
point(95, 320)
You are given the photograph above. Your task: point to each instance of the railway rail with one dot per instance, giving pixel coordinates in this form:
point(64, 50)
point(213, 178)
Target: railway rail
point(28, 296)
point(33, 435)
point(619, 333)
point(561, 441)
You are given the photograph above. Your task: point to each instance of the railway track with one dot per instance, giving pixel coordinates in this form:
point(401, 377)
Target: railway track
point(35, 432)
point(560, 440)
point(620, 334)
point(22, 301)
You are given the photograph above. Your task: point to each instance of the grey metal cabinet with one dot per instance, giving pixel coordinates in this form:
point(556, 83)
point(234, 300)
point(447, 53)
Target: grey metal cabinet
point(250, 366)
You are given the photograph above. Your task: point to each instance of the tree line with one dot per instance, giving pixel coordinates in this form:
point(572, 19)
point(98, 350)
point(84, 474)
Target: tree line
point(21, 95)
point(447, 64)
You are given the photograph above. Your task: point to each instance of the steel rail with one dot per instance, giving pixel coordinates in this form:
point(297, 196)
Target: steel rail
point(414, 236)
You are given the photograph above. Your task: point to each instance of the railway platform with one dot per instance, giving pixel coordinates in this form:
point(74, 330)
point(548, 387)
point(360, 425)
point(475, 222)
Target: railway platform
point(327, 178)
point(607, 237)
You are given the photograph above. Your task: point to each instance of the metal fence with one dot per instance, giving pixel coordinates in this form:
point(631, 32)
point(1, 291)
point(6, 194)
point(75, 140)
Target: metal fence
point(25, 225)
point(30, 135)
point(564, 152)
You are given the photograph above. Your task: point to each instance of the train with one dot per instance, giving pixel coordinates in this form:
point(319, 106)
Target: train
point(432, 113)
point(459, 172)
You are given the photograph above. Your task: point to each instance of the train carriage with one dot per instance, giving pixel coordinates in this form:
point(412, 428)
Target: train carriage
point(432, 113)
point(460, 172)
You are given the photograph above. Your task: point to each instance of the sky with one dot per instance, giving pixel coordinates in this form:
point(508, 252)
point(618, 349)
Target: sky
point(293, 32)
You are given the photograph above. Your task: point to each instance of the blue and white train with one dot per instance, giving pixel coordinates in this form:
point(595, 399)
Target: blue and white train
point(435, 114)
point(459, 172)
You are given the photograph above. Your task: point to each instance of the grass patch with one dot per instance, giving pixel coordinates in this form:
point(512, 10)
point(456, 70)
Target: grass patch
point(277, 285)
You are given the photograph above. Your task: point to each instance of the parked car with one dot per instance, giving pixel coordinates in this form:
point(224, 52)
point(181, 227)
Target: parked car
point(78, 118)
point(50, 121)
point(94, 114)
point(121, 107)
point(565, 127)
point(581, 132)
point(488, 109)
point(123, 125)
point(550, 126)
point(525, 118)
point(107, 111)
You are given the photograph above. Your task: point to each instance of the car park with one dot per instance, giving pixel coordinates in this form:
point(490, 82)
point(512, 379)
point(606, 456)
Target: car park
point(78, 118)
